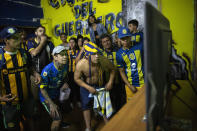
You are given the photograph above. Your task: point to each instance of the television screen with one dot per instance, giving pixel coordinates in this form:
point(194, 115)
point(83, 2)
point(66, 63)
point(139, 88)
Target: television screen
point(157, 49)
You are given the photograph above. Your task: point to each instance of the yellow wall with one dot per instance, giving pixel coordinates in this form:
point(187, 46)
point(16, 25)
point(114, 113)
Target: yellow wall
point(65, 13)
point(181, 16)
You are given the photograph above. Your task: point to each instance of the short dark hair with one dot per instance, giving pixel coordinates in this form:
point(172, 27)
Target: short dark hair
point(63, 34)
point(73, 38)
point(79, 36)
point(133, 22)
point(95, 20)
point(86, 38)
point(105, 36)
point(76, 45)
point(40, 27)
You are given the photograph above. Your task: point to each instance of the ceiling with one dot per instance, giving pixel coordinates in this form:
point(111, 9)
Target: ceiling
point(25, 13)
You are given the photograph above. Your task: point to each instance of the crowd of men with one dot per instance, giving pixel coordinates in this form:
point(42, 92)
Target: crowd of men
point(101, 75)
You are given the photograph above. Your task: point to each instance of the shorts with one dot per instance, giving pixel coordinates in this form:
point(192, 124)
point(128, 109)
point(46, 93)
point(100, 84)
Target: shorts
point(86, 102)
point(47, 107)
point(12, 114)
point(129, 93)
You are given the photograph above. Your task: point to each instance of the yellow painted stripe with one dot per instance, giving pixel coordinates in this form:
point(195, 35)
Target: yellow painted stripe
point(139, 67)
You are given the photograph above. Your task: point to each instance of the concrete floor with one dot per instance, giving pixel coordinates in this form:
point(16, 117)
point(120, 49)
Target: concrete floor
point(75, 118)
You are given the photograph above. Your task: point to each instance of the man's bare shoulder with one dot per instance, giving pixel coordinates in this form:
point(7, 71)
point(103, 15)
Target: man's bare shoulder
point(83, 62)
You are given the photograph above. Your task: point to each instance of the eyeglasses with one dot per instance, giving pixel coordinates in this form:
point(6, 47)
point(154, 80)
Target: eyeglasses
point(63, 53)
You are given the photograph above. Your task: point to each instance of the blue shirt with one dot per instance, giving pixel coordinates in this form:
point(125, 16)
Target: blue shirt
point(137, 37)
point(52, 80)
point(132, 61)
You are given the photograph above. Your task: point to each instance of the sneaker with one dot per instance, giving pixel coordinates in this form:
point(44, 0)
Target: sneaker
point(87, 129)
point(64, 125)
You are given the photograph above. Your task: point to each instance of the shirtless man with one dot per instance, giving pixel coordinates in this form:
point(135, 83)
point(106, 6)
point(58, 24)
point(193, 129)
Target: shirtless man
point(89, 77)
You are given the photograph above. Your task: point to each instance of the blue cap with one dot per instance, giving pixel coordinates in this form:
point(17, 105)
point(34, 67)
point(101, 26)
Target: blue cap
point(8, 32)
point(123, 32)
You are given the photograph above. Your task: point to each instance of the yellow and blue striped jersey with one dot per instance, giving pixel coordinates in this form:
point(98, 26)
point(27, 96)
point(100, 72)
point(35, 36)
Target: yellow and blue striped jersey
point(15, 75)
point(72, 54)
point(23, 45)
point(132, 61)
point(137, 37)
point(44, 57)
point(52, 80)
point(110, 56)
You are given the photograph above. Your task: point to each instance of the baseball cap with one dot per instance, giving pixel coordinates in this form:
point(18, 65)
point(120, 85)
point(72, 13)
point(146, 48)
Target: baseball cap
point(8, 32)
point(58, 49)
point(123, 32)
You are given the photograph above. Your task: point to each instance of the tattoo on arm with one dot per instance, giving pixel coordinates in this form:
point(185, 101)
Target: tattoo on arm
point(46, 96)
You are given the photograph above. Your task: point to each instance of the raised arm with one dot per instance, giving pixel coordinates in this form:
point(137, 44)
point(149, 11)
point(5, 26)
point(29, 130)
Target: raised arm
point(79, 55)
point(37, 50)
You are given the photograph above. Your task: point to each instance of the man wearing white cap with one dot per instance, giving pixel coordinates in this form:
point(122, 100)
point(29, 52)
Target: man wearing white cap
point(54, 78)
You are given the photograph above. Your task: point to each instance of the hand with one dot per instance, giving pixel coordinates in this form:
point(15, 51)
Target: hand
point(7, 98)
point(37, 78)
point(82, 49)
point(92, 90)
point(108, 86)
point(65, 86)
point(133, 88)
point(43, 39)
point(54, 110)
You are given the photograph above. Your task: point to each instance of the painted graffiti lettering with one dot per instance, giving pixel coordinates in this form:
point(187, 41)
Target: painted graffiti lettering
point(83, 10)
point(81, 27)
